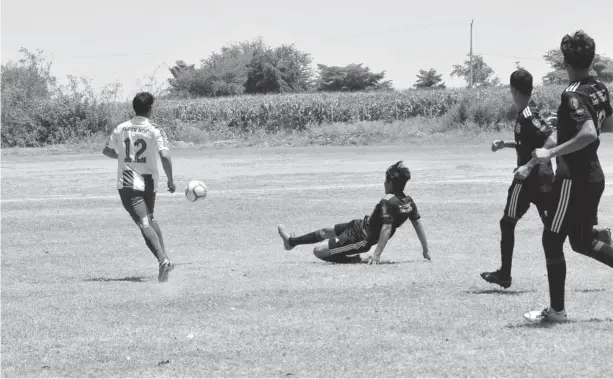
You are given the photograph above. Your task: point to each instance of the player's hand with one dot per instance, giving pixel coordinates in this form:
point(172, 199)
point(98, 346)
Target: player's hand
point(522, 172)
point(426, 255)
point(497, 145)
point(542, 154)
point(171, 186)
point(374, 259)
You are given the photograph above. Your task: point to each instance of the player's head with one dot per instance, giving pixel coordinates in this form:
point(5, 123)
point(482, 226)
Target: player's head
point(396, 177)
point(142, 104)
point(578, 50)
point(521, 84)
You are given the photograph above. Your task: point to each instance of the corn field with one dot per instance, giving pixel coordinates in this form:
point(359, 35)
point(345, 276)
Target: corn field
point(481, 108)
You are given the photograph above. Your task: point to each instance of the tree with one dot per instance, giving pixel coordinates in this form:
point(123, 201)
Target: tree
point(352, 77)
point(483, 74)
point(429, 79)
point(231, 71)
point(601, 68)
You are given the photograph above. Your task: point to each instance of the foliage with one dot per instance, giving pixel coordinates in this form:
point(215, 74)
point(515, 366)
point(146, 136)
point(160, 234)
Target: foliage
point(602, 68)
point(350, 78)
point(429, 79)
point(483, 74)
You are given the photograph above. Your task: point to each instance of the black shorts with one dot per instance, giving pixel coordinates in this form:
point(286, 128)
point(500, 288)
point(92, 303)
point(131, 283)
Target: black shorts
point(350, 239)
point(521, 195)
point(573, 210)
point(139, 204)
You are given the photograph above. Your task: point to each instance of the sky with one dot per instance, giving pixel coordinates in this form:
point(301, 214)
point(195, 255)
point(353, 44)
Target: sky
point(129, 41)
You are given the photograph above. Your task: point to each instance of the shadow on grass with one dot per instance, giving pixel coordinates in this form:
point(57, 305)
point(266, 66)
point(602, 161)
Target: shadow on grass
point(134, 279)
point(355, 263)
point(548, 325)
point(499, 292)
point(590, 290)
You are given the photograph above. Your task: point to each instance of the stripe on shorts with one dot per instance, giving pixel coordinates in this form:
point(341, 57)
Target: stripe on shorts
point(514, 200)
point(343, 249)
point(558, 219)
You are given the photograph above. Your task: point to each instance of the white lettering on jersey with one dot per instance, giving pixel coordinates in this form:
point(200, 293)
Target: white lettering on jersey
point(137, 142)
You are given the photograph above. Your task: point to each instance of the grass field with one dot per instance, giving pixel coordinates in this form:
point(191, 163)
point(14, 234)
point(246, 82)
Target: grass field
point(80, 295)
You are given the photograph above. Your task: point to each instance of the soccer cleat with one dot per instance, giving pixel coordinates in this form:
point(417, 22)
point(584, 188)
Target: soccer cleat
point(285, 236)
point(546, 315)
point(165, 268)
point(604, 235)
point(497, 278)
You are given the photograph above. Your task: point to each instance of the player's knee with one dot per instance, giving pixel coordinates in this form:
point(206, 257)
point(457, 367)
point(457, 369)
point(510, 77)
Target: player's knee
point(325, 233)
point(553, 245)
point(321, 251)
point(143, 223)
point(507, 223)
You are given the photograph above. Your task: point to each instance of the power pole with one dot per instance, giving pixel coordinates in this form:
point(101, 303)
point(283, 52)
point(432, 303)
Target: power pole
point(471, 53)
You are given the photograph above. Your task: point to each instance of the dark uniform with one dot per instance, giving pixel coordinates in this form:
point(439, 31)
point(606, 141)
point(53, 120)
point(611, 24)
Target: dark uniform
point(579, 181)
point(531, 132)
point(359, 235)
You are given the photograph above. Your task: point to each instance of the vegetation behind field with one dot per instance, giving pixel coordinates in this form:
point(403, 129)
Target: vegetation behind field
point(37, 112)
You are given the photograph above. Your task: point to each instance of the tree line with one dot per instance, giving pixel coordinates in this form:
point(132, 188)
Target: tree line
point(252, 67)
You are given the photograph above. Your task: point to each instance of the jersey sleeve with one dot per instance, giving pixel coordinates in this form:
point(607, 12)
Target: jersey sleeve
point(161, 140)
point(113, 141)
point(576, 107)
point(413, 212)
point(538, 128)
point(387, 217)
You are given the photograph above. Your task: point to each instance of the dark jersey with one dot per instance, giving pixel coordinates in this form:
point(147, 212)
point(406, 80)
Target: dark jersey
point(583, 100)
point(531, 132)
point(393, 210)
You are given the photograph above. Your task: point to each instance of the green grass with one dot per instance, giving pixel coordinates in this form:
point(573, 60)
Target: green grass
point(80, 296)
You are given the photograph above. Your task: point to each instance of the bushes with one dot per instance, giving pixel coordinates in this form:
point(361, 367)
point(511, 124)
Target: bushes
point(74, 113)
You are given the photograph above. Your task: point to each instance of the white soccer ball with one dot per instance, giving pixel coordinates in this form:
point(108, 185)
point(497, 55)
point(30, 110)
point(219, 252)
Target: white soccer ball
point(195, 190)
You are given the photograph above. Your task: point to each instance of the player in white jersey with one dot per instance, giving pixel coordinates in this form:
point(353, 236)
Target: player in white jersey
point(135, 144)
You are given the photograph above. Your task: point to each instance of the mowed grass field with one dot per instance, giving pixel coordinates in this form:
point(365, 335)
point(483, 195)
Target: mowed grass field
point(80, 295)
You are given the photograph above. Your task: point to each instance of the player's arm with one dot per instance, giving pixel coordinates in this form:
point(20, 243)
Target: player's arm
point(586, 130)
point(384, 236)
point(547, 138)
point(164, 151)
point(110, 147)
point(500, 144)
point(607, 125)
point(421, 234)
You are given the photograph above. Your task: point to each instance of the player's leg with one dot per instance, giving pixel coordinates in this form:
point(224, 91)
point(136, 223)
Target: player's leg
point(518, 203)
point(165, 266)
point(134, 203)
point(346, 248)
point(289, 241)
point(582, 238)
point(560, 215)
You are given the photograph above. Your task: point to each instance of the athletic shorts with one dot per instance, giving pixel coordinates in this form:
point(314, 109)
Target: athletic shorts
point(138, 204)
point(350, 239)
point(521, 195)
point(573, 210)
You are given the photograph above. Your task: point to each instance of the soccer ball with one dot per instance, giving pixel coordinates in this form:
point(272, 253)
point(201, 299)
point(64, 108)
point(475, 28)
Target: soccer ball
point(195, 190)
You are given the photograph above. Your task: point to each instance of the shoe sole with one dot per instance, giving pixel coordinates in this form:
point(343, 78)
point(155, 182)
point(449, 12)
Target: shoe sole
point(504, 285)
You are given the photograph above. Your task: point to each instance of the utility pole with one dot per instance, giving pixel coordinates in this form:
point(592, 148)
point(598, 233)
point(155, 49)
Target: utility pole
point(471, 53)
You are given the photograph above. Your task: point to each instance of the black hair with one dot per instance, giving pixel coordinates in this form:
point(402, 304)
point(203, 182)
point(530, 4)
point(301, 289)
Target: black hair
point(521, 80)
point(398, 174)
point(578, 50)
point(142, 103)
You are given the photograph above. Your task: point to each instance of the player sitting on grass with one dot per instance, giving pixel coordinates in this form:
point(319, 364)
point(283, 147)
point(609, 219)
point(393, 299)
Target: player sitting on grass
point(347, 241)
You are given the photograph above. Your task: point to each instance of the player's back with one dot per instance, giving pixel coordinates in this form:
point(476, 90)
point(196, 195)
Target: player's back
point(137, 141)
point(394, 209)
point(581, 101)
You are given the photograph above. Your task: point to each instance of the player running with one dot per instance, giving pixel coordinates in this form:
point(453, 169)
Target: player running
point(134, 144)
point(579, 181)
point(347, 241)
point(533, 181)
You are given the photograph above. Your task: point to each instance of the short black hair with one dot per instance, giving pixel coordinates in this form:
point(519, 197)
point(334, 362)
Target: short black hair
point(398, 174)
point(521, 80)
point(578, 50)
point(142, 103)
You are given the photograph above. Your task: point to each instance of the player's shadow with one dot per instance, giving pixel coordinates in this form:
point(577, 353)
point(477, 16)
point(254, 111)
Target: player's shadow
point(588, 290)
point(548, 325)
point(499, 292)
point(134, 279)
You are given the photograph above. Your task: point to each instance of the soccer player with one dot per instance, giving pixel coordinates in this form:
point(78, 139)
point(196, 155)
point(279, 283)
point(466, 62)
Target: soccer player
point(579, 181)
point(533, 180)
point(134, 144)
point(348, 240)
